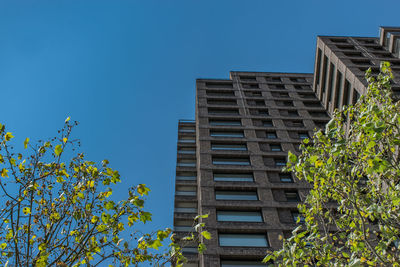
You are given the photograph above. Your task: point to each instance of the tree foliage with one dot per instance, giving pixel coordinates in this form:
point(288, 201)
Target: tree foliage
point(57, 212)
point(352, 213)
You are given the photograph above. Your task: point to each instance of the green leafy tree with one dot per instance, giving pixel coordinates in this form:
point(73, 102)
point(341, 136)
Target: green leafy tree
point(352, 213)
point(61, 213)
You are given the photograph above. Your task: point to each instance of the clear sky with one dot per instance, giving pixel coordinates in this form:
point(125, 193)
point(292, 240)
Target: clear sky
point(126, 69)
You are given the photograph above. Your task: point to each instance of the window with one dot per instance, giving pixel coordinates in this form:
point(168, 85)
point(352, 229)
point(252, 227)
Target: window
point(237, 263)
point(250, 86)
point(186, 176)
point(361, 62)
point(303, 136)
point(271, 135)
point(297, 216)
point(214, 111)
point(324, 73)
point(251, 94)
point(263, 112)
point(313, 104)
point(215, 133)
point(273, 79)
point(294, 123)
point(219, 85)
point(284, 103)
point(292, 196)
point(243, 240)
point(183, 226)
point(275, 147)
point(280, 162)
point(186, 139)
point(220, 93)
point(186, 190)
point(307, 96)
point(331, 81)
point(221, 102)
point(338, 40)
point(186, 163)
point(267, 123)
point(320, 124)
point(280, 94)
point(276, 86)
point(356, 96)
point(186, 207)
point(346, 47)
point(237, 147)
point(248, 78)
point(285, 178)
point(346, 92)
point(319, 52)
point(235, 195)
point(187, 129)
point(298, 79)
point(288, 103)
point(231, 161)
point(318, 113)
point(233, 177)
point(353, 54)
point(293, 113)
point(190, 250)
point(187, 150)
point(239, 216)
point(225, 122)
point(339, 88)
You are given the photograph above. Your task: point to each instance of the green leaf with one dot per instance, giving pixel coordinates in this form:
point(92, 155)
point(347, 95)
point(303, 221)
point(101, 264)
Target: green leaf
point(105, 218)
point(155, 244)
point(3, 245)
point(201, 248)
point(313, 159)
point(109, 205)
point(206, 234)
point(201, 216)
point(142, 189)
point(58, 149)
point(292, 157)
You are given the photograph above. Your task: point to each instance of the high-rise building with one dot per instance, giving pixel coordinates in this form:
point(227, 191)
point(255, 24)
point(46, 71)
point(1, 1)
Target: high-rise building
point(230, 157)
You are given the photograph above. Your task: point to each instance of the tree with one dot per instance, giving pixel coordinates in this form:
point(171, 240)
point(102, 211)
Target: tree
point(57, 212)
point(352, 213)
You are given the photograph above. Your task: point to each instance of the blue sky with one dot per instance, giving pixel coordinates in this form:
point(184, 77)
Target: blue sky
point(126, 69)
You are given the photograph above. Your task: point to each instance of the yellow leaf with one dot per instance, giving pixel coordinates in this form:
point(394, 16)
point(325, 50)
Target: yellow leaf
point(90, 184)
point(67, 119)
point(26, 142)
point(65, 139)
point(318, 163)
point(26, 210)
point(4, 173)
point(8, 136)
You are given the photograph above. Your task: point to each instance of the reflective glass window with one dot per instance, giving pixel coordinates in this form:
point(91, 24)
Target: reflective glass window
point(235, 195)
point(239, 216)
point(243, 240)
